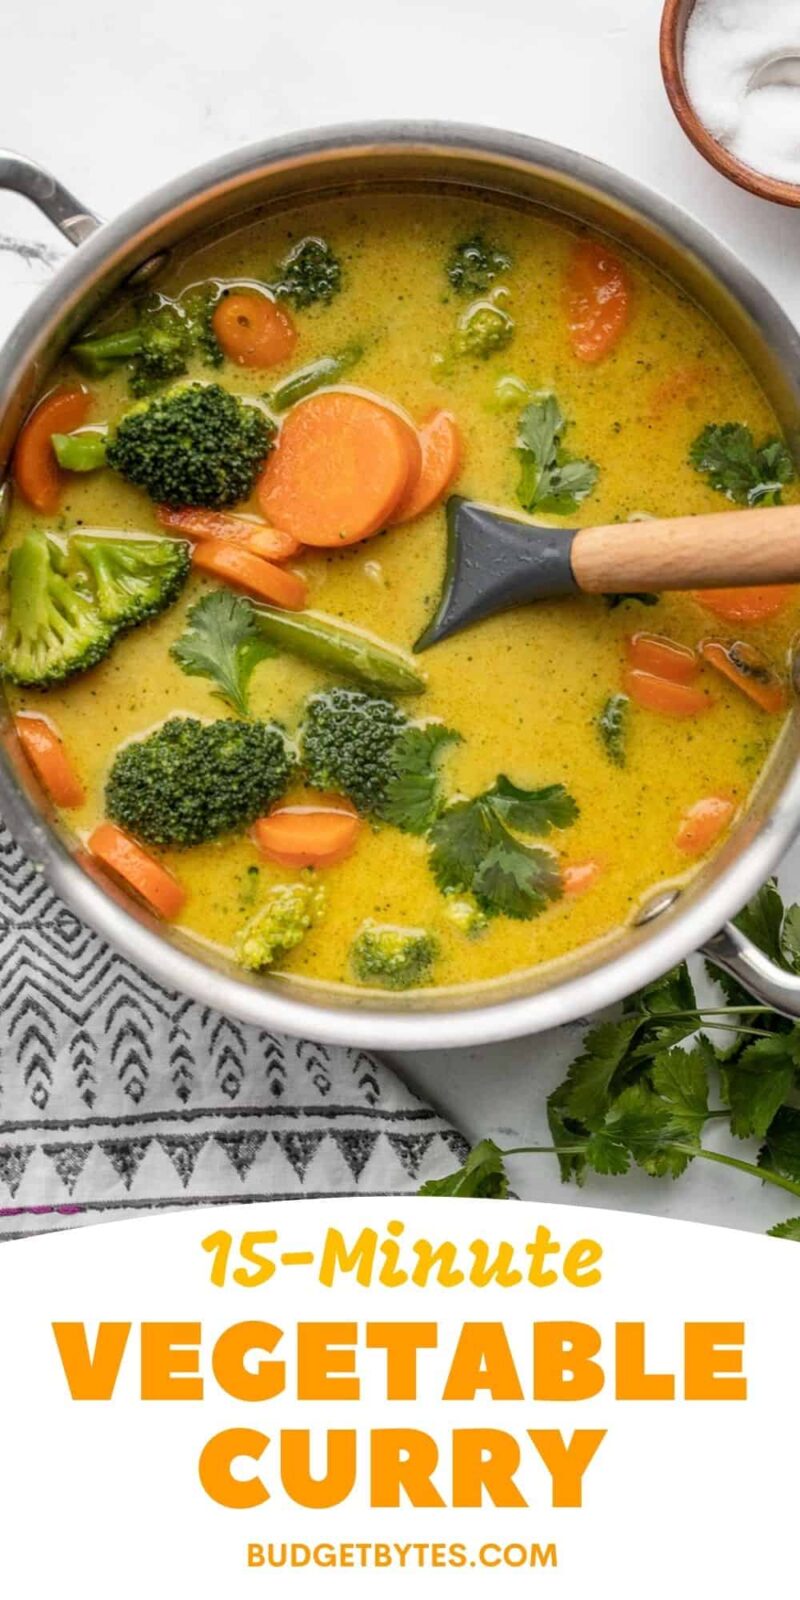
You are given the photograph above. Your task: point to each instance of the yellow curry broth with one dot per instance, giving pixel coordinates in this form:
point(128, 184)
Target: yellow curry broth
point(523, 689)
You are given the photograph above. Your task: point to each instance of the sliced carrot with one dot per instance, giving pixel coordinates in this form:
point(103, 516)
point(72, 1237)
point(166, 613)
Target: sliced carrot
point(579, 877)
point(37, 474)
point(750, 670)
point(651, 652)
point(274, 545)
point(45, 751)
point(250, 532)
point(253, 330)
point(152, 882)
point(747, 605)
point(261, 578)
point(441, 458)
point(341, 465)
point(702, 824)
point(307, 836)
point(662, 694)
point(598, 300)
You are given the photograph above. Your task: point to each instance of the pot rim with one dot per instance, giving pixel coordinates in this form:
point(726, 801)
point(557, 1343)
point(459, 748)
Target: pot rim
point(686, 928)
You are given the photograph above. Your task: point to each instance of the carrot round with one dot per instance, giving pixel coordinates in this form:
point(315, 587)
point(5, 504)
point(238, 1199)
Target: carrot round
point(598, 300)
point(152, 882)
point(749, 670)
point(249, 532)
point(240, 567)
point(274, 545)
point(650, 652)
point(341, 465)
point(663, 695)
point(37, 474)
point(580, 876)
point(440, 440)
point(46, 753)
point(307, 836)
point(253, 330)
point(703, 823)
point(747, 605)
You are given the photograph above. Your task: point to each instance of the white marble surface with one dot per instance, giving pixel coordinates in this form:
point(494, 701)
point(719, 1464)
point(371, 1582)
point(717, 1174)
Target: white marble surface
point(117, 101)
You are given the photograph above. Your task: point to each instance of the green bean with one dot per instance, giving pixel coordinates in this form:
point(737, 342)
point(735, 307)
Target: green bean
point(326, 644)
point(303, 382)
point(99, 356)
point(80, 452)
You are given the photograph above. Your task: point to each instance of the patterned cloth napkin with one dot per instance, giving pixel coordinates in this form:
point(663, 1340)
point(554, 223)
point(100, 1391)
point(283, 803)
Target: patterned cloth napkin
point(120, 1097)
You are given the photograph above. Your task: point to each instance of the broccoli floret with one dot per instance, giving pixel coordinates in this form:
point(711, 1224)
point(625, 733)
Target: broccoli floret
point(466, 915)
point(474, 264)
point(280, 923)
point(54, 627)
point(198, 305)
point(134, 578)
point(347, 742)
point(362, 746)
point(482, 331)
point(164, 348)
point(310, 272)
point(197, 446)
point(191, 781)
point(392, 958)
point(157, 349)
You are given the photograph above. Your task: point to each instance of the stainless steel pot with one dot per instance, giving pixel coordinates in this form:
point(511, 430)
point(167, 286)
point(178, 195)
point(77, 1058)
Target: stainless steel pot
point(519, 172)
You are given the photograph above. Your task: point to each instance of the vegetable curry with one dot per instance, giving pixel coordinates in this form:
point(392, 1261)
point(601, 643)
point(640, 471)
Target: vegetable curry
point(233, 505)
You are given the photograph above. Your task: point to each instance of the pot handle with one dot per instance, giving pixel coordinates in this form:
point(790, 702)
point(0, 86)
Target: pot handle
point(768, 983)
point(60, 207)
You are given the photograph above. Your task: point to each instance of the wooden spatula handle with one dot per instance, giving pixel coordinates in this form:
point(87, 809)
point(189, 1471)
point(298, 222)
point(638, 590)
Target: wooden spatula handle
point(727, 550)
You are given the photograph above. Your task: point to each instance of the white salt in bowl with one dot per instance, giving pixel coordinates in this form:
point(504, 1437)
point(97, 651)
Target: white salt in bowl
point(674, 24)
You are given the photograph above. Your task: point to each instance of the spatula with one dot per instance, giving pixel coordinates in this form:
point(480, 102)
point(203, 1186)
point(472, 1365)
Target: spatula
point(495, 561)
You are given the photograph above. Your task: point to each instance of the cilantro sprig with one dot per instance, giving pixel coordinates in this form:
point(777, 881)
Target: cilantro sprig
point(223, 642)
point(475, 848)
point(413, 798)
point(749, 474)
point(551, 480)
point(642, 1090)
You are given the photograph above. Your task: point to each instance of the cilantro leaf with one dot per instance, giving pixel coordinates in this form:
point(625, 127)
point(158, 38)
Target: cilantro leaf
point(790, 939)
point(680, 1078)
point(531, 810)
point(588, 1084)
point(460, 840)
point(482, 1177)
point(781, 1149)
point(757, 1083)
point(566, 1134)
point(612, 726)
point(412, 800)
point(790, 1229)
point(749, 475)
point(222, 642)
point(514, 880)
point(550, 479)
point(474, 847)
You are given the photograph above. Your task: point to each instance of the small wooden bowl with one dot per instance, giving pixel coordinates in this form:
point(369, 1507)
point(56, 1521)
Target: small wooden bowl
point(674, 23)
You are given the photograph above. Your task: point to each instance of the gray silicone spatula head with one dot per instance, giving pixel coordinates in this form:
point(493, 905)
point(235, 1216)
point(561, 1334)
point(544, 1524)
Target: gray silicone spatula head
point(493, 562)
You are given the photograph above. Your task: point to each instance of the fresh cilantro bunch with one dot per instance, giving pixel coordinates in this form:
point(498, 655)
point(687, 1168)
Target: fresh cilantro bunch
point(551, 480)
point(475, 848)
point(640, 1093)
point(748, 474)
point(223, 642)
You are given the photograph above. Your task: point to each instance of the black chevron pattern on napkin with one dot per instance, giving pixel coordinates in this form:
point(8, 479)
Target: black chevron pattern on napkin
point(118, 1095)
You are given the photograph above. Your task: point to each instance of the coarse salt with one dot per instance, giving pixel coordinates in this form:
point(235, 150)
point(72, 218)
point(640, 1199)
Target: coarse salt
point(727, 43)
